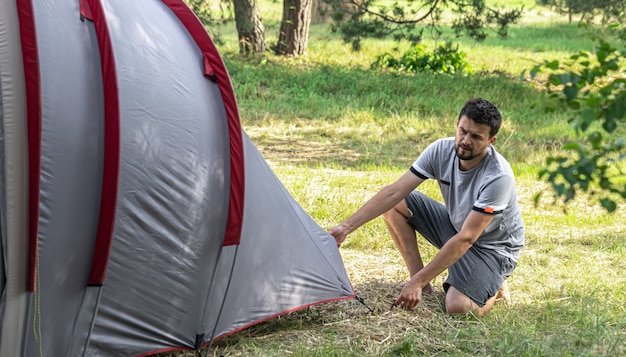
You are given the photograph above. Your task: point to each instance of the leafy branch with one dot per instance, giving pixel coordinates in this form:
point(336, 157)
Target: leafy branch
point(593, 86)
point(357, 20)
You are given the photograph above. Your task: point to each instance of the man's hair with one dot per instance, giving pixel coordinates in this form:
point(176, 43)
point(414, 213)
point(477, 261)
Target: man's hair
point(481, 111)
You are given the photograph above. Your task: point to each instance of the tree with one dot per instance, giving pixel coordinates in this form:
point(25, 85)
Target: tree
point(377, 19)
point(569, 7)
point(604, 10)
point(359, 19)
point(202, 9)
point(320, 12)
point(592, 86)
point(250, 28)
point(294, 28)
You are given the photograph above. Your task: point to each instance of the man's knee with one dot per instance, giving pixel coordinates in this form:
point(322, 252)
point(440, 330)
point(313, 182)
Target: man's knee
point(400, 210)
point(459, 303)
point(458, 307)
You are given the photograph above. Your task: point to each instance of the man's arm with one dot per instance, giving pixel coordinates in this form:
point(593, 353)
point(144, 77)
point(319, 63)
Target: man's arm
point(380, 203)
point(453, 250)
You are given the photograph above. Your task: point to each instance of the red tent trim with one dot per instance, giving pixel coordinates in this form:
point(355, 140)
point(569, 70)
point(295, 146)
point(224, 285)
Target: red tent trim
point(30, 58)
point(111, 166)
point(85, 10)
point(215, 69)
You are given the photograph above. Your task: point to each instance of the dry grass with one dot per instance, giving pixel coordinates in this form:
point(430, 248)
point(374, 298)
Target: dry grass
point(372, 328)
point(369, 329)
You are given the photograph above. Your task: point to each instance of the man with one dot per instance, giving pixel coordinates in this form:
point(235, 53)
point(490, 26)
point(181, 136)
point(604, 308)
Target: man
point(479, 230)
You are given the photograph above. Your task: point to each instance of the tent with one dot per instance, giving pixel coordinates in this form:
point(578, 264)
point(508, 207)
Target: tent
point(136, 217)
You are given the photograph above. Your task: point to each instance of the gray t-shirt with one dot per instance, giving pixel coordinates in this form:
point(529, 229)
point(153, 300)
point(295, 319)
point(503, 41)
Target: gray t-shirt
point(488, 188)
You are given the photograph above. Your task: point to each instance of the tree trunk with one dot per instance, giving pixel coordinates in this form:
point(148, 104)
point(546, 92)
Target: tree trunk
point(320, 12)
point(324, 10)
point(569, 12)
point(249, 27)
point(294, 27)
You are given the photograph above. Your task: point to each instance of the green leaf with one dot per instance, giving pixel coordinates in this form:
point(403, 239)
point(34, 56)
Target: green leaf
point(587, 116)
point(573, 145)
point(534, 71)
point(570, 92)
point(609, 125)
point(536, 198)
point(586, 167)
point(553, 65)
point(608, 204)
point(592, 101)
point(574, 104)
point(595, 139)
point(605, 183)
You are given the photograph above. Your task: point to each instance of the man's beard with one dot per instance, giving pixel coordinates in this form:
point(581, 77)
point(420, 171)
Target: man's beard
point(466, 155)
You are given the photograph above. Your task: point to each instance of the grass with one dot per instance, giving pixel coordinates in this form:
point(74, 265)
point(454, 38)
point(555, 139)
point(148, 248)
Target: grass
point(335, 132)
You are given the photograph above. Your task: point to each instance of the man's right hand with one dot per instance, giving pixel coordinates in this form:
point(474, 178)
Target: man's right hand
point(340, 233)
point(410, 296)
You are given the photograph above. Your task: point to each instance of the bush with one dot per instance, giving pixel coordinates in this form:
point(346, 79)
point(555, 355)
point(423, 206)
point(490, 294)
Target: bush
point(446, 58)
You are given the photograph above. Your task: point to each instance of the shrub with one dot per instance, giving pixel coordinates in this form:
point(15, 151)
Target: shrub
point(446, 58)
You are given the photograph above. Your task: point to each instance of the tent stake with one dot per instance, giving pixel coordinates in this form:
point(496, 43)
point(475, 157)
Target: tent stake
point(362, 301)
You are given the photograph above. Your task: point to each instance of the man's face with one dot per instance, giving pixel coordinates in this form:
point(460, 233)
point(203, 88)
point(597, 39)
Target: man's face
point(472, 140)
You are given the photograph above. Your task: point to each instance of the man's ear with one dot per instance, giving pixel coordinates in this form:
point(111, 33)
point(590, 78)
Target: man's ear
point(492, 140)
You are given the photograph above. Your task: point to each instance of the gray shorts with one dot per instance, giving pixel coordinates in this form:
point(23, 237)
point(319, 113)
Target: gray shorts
point(480, 272)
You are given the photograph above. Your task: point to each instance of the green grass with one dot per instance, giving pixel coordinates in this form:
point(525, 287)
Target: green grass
point(335, 132)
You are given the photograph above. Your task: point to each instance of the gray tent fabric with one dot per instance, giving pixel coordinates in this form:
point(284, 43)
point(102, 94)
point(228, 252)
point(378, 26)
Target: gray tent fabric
point(171, 280)
point(288, 280)
point(14, 195)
